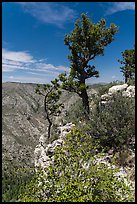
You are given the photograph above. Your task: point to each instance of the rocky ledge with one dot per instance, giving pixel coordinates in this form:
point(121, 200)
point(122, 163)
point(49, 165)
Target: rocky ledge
point(44, 153)
point(127, 91)
point(44, 156)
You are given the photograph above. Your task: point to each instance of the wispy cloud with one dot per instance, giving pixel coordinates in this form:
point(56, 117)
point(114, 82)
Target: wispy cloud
point(27, 79)
point(14, 61)
point(49, 12)
point(17, 56)
point(114, 7)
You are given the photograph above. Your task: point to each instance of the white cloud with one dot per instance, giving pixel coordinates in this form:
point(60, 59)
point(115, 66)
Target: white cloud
point(49, 12)
point(17, 56)
point(119, 6)
point(25, 62)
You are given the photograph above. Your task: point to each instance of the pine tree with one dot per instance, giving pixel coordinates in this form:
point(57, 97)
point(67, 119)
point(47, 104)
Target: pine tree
point(85, 42)
point(128, 62)
point(52, 107)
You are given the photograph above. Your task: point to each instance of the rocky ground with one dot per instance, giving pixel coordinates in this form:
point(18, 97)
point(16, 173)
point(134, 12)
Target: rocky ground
point(24, 127)
point(44, 156)
point(23, 121)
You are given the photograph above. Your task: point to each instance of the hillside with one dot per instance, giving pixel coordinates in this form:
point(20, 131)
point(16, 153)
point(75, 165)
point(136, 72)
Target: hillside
point(23, 120)
point(25, 143)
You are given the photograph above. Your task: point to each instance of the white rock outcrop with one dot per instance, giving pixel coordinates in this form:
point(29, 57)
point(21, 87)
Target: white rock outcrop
point(127, 91)
point(117, 88)
point(44, 154)
point(130, 91)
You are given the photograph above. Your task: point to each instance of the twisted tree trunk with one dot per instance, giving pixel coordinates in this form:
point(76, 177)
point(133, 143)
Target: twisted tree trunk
point(85, 101)
point(49, 128)
point(48, 118)
point(84, 94)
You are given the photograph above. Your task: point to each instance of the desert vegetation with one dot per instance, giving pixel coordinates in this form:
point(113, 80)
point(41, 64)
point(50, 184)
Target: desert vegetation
point(112, 127)
point(76, 173)
point(73, 178)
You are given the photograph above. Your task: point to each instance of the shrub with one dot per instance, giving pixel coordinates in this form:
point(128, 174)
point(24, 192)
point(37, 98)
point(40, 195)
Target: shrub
point(118, 120)
point(113, 125)
point(73, 178)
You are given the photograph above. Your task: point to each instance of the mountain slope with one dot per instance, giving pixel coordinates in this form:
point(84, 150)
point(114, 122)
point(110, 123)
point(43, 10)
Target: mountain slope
point(23, 121)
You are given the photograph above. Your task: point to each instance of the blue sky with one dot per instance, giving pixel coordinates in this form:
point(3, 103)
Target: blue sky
point(33, 49)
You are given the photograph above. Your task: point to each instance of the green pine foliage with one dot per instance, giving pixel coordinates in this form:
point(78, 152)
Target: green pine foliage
point(75, 176)
point(87, 41)
point(52, 107)
point(128, 63)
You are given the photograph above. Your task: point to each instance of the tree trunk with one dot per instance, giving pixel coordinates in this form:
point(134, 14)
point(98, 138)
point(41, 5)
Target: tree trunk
point(126, 79)
point(50, 124)
point(85, 101)
point(49, 129)
point(48, 118)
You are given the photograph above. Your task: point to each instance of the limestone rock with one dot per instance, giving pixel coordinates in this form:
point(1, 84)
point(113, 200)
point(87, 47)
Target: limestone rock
point(44, 153)
point(127, 91)
point(117, 88)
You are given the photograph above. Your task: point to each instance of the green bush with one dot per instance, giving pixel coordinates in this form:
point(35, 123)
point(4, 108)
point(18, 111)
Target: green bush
point(66, 180)
point(111, 125)
point(114, 123)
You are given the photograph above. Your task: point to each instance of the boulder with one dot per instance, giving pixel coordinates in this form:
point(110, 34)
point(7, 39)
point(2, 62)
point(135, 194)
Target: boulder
point(127, 91)
point(117, 88)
